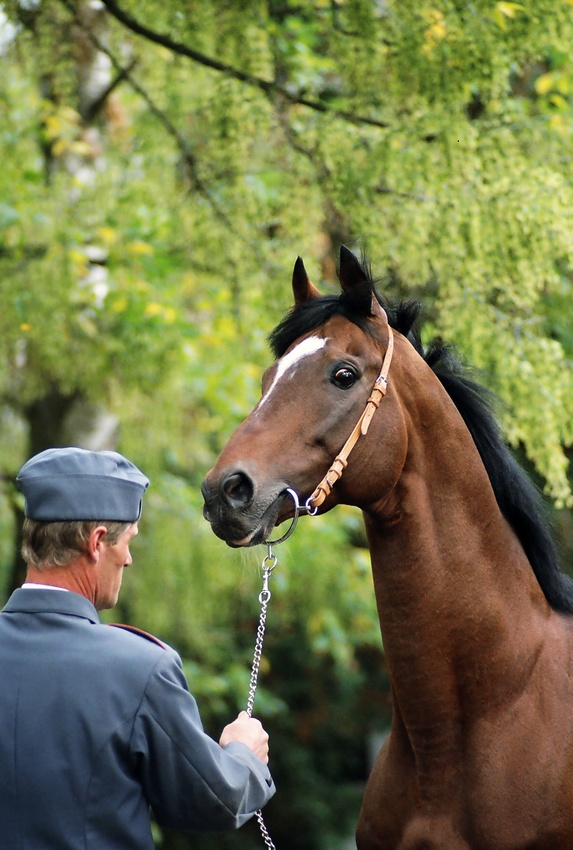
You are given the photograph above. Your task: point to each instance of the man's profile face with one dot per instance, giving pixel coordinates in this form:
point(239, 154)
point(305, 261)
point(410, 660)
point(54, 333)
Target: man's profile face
point(113, 559)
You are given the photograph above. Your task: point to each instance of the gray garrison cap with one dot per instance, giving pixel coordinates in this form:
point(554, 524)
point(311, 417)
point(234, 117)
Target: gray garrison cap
point(76, 484)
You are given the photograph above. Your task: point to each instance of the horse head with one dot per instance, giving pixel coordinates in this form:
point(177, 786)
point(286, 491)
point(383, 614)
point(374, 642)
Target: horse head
point(330, 350)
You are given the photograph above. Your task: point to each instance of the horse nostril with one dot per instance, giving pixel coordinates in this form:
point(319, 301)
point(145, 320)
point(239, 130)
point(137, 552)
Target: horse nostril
point(237, 490)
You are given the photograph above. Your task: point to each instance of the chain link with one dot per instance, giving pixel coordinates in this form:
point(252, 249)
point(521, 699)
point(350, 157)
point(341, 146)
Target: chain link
point(268, 565)
point(264, 831)
point(257, 658)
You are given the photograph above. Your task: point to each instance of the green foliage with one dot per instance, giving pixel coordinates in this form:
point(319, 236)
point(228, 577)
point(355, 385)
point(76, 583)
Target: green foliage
point(146, 248)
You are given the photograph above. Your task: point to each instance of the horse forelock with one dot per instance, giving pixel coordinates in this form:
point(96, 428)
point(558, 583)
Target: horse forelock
point(307, 317)
point(310, 315)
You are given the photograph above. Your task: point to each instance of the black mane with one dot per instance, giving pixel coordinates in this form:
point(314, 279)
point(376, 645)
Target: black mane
point(518, 498)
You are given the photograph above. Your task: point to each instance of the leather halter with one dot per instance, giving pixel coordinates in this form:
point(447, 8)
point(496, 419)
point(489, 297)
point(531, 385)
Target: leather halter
point(360, 429)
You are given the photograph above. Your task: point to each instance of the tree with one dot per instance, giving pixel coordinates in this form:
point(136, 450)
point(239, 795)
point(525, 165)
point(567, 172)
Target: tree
point(163, 165)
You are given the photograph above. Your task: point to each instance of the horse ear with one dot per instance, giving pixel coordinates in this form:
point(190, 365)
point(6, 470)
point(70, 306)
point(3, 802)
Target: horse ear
point(354, 281)
point(302, 288)
point(376, 309)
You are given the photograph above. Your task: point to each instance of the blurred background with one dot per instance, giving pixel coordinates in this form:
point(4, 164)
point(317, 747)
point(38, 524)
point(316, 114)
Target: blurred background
point(162, 164)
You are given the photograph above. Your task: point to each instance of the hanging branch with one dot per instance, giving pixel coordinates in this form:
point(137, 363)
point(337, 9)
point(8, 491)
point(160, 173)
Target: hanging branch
point(271, 89)
point(186, 152)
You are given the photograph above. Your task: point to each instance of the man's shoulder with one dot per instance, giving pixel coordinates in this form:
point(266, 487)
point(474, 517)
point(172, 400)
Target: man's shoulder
point(140, 653)
point(134, 630)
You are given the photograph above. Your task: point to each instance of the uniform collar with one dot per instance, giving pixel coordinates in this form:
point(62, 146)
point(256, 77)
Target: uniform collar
point(45, 601)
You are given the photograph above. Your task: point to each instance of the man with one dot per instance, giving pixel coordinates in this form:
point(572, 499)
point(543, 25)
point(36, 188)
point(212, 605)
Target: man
point(97, 724)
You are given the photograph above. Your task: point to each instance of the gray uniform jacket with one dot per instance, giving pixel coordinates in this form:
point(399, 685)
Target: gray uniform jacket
point(97, 725)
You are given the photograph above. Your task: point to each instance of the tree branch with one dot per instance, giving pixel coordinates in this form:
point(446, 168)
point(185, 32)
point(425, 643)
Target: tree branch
point(96, 106)
point(411, 196)
point(187, 153)
point(266, 86)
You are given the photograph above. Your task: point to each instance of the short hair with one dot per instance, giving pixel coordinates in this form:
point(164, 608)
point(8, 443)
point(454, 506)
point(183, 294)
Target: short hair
point(58, 543)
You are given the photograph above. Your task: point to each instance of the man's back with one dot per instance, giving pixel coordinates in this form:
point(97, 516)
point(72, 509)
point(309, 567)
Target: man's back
point(97, 724)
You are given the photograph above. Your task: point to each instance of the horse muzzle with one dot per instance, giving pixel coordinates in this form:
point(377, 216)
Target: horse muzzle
point(238, 513)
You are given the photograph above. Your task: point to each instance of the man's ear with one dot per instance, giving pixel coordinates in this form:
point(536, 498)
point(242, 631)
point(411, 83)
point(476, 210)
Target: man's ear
point(96, 538)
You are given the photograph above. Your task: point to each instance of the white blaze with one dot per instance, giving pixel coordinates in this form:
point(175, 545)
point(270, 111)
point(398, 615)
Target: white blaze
point(308, 346)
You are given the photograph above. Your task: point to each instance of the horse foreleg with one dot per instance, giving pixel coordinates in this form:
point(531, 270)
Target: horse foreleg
point(386, 806)
point(393, 817)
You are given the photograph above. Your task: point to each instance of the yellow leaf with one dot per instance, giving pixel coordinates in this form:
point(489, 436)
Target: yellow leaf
point(509, 9)
point(108, 235)
point(138, 248)
point(558, 100)
point(153, 309)
point(70, 115)
point(544, 83)
point(505, 10)
point(60, 147)
point(52, 126)
point(437, 29)
point(558, 123)
point(81, 148)
point(77, 256)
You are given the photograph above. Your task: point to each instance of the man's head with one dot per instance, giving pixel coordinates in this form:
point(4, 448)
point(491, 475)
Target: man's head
point(82, 508)
point(58, 543)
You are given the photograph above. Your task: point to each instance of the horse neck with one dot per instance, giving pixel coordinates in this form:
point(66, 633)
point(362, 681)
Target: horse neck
point(461, 612)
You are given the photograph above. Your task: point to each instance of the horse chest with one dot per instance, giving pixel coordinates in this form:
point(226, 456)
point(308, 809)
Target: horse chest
point(510, 790)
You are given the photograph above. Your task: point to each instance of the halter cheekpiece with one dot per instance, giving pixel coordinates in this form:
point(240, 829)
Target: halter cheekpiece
point(360, 429)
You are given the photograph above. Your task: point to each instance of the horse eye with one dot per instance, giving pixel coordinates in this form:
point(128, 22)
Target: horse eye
point(344, 377)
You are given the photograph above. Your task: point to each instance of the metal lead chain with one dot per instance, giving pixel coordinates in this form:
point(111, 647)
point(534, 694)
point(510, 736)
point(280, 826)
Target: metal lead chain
point(264, 831)
point(268, 565)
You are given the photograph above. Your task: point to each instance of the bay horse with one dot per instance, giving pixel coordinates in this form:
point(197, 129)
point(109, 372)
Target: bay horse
point(475, 614)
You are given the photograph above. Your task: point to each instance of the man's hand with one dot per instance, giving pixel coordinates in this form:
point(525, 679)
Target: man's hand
point(248, 731)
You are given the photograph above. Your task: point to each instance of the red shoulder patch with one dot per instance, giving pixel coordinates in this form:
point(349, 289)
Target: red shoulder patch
point(134, 630)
